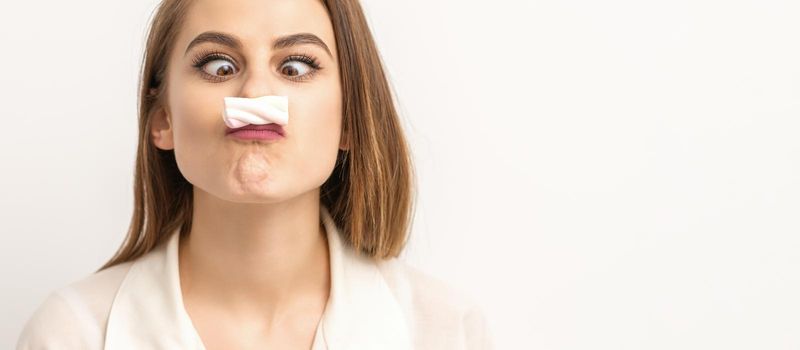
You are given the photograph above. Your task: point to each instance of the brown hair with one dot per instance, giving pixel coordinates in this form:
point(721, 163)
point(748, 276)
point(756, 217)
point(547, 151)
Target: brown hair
point(370, 192)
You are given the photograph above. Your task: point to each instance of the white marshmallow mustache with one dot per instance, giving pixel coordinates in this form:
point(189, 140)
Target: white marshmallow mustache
point(241, 111)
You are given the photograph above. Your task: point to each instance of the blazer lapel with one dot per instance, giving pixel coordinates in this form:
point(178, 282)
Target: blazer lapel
point(148, 312)
point(362, 311)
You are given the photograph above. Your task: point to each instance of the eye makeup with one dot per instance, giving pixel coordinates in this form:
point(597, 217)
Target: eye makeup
point(206, 56)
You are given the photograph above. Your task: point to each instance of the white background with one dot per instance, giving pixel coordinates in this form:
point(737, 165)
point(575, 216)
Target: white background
point(598, 174)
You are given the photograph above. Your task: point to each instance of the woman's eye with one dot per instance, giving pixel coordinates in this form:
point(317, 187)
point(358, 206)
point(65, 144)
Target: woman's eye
point(297, 69)
point(219, 68)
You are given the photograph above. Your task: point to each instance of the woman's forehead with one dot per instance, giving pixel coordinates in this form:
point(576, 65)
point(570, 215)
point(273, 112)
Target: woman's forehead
point(258, 22)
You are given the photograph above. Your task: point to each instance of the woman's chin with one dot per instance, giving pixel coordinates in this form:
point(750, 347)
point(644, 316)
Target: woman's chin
point(252, 168)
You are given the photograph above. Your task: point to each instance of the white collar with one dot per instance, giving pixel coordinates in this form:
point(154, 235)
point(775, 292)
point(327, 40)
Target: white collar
point(361, 312)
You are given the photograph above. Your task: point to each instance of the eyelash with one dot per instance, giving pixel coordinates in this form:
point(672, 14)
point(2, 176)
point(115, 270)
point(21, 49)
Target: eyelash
point(208, 56)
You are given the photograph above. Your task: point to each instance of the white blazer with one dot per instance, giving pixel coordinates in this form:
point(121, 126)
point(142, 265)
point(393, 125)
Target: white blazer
point(138, 305)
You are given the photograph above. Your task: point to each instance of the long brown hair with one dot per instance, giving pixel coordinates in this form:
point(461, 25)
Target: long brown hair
point(370, 193)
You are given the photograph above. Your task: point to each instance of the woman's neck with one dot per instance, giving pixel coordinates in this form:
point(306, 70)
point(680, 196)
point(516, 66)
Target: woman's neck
point(256, 258)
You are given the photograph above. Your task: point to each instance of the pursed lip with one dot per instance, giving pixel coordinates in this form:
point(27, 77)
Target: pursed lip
point(272, 126)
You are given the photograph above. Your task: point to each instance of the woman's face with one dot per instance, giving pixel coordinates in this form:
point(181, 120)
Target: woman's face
point(190, 121)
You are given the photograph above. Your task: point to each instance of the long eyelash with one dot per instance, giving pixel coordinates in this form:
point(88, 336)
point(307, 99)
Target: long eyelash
point(207, 56)
point(311, 61)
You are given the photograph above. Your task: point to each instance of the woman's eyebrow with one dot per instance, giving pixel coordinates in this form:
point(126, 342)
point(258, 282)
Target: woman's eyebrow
point(280, 43)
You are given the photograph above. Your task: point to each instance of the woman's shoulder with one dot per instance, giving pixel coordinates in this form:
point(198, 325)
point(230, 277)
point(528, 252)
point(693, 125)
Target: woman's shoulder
point(408, 281)
point(74, 316)
point(440, 313)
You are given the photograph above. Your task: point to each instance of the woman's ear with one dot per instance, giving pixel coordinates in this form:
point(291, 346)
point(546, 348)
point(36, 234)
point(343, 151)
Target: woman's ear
point(161, 128)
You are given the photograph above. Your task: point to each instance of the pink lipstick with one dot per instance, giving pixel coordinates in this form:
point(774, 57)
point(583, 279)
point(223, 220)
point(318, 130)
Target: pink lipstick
point(270, 131)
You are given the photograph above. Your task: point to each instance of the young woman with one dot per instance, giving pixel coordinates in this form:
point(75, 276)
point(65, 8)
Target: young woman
point(244, 242)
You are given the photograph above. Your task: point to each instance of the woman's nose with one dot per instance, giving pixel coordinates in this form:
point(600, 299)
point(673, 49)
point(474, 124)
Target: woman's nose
point(259, 82)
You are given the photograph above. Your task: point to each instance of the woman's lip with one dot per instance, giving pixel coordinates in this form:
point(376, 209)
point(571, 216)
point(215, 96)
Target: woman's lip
point(271, 126)
point(261, 135)
point(264, 132)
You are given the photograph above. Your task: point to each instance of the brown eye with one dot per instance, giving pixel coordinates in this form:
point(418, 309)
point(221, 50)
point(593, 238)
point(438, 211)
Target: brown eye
point(294, 70)
point(219, 68)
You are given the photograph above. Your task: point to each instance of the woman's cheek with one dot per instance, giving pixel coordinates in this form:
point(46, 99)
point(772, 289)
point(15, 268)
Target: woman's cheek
point(320, 125)
point(188, 103)
point(194, 132)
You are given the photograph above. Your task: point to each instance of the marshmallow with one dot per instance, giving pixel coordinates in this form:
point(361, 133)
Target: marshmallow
point(240, 111)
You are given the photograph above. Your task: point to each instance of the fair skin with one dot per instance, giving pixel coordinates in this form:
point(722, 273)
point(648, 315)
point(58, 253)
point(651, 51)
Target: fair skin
point(254, 271)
